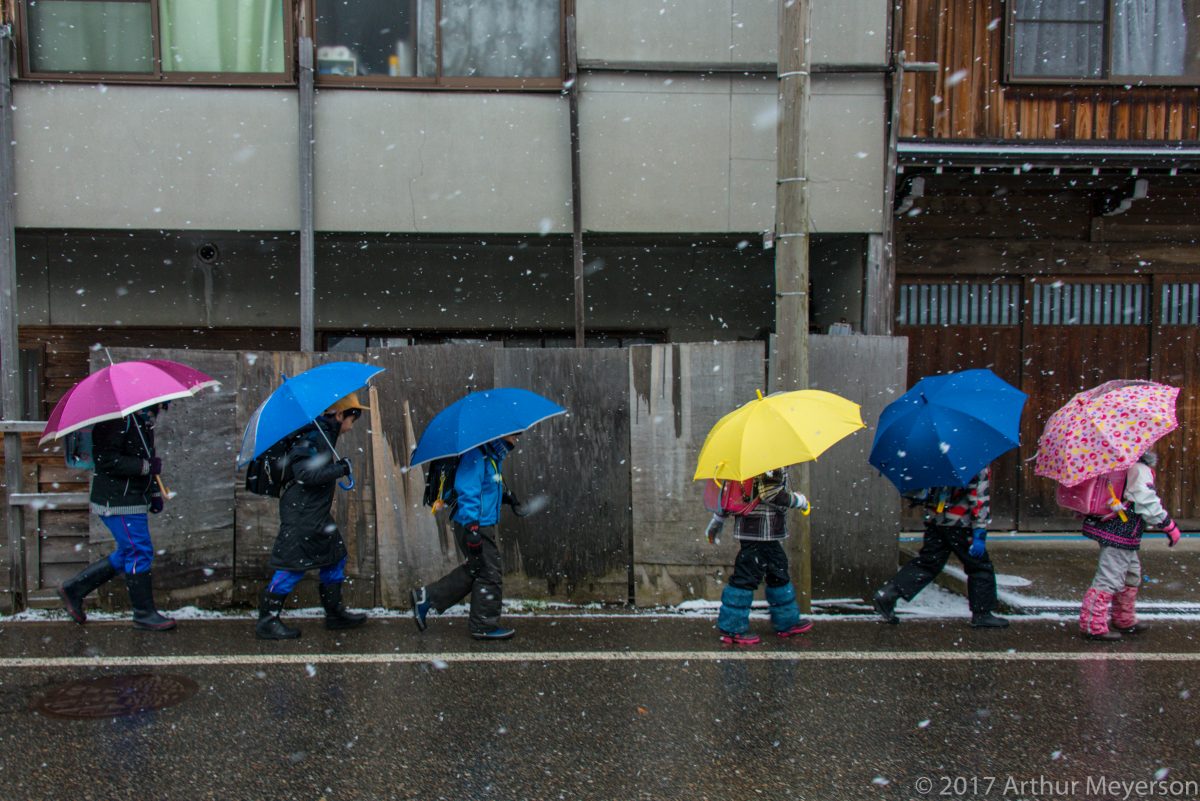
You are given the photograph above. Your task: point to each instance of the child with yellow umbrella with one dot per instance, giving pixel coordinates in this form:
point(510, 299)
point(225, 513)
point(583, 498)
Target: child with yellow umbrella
point(745, 456)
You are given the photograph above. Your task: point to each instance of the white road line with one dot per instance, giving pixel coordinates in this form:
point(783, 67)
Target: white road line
point(203, 660)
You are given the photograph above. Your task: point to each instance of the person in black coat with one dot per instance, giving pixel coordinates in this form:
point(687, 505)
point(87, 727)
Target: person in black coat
point(125, 487)
point(309, 538)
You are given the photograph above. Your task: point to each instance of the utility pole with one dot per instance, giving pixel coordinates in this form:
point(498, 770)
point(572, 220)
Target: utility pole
point(790, 368)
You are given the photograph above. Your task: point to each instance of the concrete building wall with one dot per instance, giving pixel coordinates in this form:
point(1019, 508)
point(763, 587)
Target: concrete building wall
point(137, 157)
point(678, 31)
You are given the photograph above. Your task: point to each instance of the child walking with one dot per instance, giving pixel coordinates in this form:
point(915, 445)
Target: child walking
point(1108, 605)
point(761, 531)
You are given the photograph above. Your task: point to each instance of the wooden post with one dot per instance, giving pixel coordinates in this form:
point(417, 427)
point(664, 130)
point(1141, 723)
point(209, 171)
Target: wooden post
point(791, 250)
point(307, 194)
point(576, 186)
point(10, 368)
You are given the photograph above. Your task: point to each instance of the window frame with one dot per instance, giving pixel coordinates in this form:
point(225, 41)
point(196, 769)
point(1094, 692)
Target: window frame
point(1109, 79)
point(442, 82)
point(161, 77)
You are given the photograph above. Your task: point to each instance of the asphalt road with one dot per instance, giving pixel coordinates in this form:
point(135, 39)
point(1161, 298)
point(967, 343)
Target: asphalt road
point(621, 707)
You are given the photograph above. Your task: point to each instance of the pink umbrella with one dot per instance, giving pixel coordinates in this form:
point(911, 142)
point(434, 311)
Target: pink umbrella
point(1105, 429)
point(121, 389)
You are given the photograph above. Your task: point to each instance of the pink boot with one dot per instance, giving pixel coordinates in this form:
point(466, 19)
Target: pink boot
point(1093, 616)
point(1124, 619)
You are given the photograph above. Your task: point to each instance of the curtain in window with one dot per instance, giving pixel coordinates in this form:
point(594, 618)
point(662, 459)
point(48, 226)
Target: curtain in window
point(501, 38)
point(222, 35)
point(73, 36)
point(1059, 38)
point(1149, 37)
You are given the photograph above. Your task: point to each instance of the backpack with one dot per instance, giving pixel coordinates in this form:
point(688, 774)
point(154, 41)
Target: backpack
point(730, 497)
point(77, 450)
point(439, 483)
point(1094, 497)
point(269, 473)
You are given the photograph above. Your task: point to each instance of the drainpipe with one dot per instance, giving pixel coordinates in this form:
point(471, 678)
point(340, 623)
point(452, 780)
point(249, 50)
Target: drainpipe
point(10, 372)
point(307, 192)
point(576, 186)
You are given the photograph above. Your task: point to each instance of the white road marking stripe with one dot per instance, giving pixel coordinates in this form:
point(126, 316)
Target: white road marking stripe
point(202, 660)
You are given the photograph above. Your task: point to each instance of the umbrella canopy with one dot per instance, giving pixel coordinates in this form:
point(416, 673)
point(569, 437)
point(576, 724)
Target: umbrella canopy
point(781, 429)
point(1104, 429)
point(946, 429)
point(299, 401)
point(481, 417)
point(121, 389)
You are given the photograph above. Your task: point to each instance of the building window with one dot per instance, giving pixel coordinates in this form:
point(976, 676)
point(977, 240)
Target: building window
point(1062, 303)
point(457, 43)
point(958, 303)
point(1180, 304)
point(1104, 41)
point(218, 41)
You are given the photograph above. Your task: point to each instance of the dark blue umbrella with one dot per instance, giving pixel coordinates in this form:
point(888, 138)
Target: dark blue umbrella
point(946, 429)
point(481, 417)
point(299, 401)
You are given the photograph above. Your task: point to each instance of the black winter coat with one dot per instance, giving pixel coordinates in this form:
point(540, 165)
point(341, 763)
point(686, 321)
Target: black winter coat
point(308, 537)
point(122, 484)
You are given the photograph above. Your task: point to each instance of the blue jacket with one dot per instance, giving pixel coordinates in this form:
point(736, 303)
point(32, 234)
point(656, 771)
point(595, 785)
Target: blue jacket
point(478, 484)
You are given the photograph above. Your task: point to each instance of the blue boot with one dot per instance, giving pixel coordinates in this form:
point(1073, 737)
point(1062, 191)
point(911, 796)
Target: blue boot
point(734, 617)
point(785, 615)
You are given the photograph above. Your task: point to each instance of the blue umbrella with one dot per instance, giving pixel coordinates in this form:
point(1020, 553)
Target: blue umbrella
point(299, 401)
point(481, 417)
point(946, 429)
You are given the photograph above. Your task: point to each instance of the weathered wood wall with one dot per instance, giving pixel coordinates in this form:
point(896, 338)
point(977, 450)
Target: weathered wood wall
point(616, 472)
point(679, 391)
point(969, 35)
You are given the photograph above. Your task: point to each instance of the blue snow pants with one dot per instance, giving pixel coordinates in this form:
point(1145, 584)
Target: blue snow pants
point(134, 552)
point(284, 581)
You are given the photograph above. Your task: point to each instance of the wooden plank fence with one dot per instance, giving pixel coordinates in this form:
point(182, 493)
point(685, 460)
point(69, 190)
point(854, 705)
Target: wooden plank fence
point(623, 520)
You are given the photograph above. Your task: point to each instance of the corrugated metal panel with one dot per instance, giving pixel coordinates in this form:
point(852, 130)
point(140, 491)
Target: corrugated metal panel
point(1180, 304)
point(958, 303)
point(1063, 303)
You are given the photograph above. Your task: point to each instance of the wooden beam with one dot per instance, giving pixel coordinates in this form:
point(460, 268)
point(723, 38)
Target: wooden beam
point(50, 500)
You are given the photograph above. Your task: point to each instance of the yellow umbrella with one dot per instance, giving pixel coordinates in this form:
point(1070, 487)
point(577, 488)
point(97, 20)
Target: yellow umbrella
point(782, 429)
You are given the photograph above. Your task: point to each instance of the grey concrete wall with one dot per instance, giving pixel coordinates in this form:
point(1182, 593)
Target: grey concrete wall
point(678, 152)
point(138, 157)
point(442, 162)
point(846, 151)
point(678, 31)
point(849, 32)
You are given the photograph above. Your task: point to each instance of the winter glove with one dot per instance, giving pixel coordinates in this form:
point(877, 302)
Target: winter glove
point(1171, 529)
point(714, 530)
point(344, 463)
point(156, 504)
point(978, 548)
point(474, 543)
point(154, 466)
point(518, 508)
point(798, 501)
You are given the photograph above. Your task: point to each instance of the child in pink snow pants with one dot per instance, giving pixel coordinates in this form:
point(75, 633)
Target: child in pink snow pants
point(1108, 605)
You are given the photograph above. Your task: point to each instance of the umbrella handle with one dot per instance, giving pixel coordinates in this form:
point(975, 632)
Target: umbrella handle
point(166, 493)
point(350, 477)
point(1116, 504)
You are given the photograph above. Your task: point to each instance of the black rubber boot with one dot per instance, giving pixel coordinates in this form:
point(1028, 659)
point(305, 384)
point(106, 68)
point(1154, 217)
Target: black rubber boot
point(269, 626)
point(141, 597)
point(986, 620)
point(336, 615)
point(884, 600)
point(74, 590)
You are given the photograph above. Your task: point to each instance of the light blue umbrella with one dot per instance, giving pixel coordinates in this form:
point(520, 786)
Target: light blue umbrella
point(946, 429)
point(481, 417)
point(299, 401)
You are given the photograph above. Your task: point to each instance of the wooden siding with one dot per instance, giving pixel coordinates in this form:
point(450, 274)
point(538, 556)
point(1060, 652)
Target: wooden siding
point(969, 35)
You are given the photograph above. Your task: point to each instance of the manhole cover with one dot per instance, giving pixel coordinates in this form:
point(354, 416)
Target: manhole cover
point(115, 696)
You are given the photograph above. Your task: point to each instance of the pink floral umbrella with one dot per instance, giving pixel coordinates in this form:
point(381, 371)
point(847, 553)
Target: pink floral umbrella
point(121, 389)
point(1105, 429)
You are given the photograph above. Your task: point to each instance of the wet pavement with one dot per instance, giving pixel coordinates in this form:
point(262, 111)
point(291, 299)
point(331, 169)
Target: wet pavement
point(606, 707)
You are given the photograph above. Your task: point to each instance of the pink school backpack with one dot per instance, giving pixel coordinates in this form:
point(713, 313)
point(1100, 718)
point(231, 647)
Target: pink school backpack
point(730, 497)
point(1097, 497)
